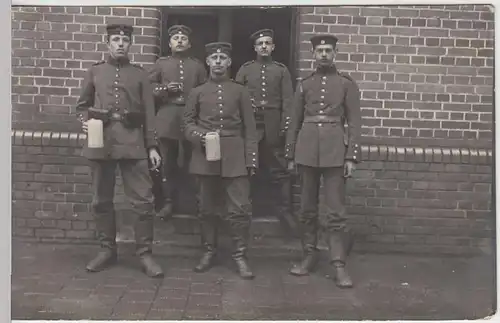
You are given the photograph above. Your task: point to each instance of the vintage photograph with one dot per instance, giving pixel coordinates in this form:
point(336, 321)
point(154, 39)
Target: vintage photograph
point(253, 163)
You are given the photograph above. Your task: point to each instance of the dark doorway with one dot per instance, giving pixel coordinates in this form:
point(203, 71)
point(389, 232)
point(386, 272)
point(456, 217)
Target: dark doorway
point(246, 21)
point(235, 25)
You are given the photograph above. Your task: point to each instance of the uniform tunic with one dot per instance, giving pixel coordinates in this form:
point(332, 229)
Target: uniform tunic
point(270, 85)
point(224, 106)
point(179, 68)
point(119, 87)
point(323, 102)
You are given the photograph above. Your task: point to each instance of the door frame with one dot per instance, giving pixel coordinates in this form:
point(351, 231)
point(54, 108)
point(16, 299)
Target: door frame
point(225, 21)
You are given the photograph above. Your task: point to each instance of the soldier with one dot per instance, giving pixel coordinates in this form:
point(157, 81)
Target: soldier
point(120, 94)
point(270, 86)
point(318, 144)
point(173, 77)
point(224, 106)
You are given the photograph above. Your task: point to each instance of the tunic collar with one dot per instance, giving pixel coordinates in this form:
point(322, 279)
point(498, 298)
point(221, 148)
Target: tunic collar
point(122, 61)
point(219, 80)
point(264, 59)
point(325, 70)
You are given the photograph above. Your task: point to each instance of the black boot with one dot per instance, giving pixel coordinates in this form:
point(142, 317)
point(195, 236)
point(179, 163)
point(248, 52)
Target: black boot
point(338, 244)
point(144, 245)
point(149, 266)
point(106, 231)
point(310, 250)
point(240, 239)
point(105, 258)
point(208, 234)
point(308, 264)
point(166, 212)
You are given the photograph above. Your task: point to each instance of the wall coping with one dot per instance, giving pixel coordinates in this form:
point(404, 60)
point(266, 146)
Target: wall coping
point(378, 152)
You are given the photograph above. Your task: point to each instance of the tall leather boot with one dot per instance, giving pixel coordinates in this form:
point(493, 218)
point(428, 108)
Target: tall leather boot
point(208, 232)
point(144, 246)
point(106, 231)
point(338, 246)
point(240, 239)
point(311, 255)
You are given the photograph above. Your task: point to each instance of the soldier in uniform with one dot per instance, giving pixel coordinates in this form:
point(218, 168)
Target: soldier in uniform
point(270, 86)
point(173, 77)
point(319, 144)
point(120, 94)
point(221, 105)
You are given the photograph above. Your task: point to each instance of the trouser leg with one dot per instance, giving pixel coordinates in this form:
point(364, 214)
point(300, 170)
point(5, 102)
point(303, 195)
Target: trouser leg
point(169, 149)
point(103, 184)
point(137, 186)
point(209, 187)
point(282, 187)
point(339, 241)
point(239, 212)
point(308, 219)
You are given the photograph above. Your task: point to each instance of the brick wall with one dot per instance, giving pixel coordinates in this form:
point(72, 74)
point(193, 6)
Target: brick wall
point(425, 72)
point(51, 49)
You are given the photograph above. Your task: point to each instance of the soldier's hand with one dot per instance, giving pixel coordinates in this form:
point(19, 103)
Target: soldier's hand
point(291, 165)
point(173, 87)
point(155, 158)
point(85, 126)
point(348, 168)
point(203, 140)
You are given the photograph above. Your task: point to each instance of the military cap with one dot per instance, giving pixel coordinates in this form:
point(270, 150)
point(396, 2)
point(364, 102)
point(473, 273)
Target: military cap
point(179, 29)
point(218, 47)
point(262, 33)
point(120, 29)
point(324, 39)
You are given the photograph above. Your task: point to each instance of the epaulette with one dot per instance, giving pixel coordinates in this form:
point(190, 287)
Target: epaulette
point(195, 59)
point(347, 76)
point(234, 81)
point(248, 63)
point(308, 76)
point(163, 58)
point(99, 63)
point(279, 64)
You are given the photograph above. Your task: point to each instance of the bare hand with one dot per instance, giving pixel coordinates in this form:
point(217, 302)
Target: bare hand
point(252, 171)
point(291, 165)
point(173, 86)
point(85, 126)
point(203, 140)
point(348, 168)
point(155, 158)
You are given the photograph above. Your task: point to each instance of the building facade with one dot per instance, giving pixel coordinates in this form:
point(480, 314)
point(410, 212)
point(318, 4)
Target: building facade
point(425, 74)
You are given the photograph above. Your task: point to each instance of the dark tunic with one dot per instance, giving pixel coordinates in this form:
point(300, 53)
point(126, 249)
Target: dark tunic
point(270, 85)
point(224, 106)
point(119, 87)
point(179, 68)
point(323, 103)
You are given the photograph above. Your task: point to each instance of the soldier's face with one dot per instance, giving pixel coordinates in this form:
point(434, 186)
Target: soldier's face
point(264, 46)
point(218, 63)
point(119, 45)
point(324, 54)
point(179, 43)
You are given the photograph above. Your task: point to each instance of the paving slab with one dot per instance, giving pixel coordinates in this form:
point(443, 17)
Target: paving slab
point(49, 282)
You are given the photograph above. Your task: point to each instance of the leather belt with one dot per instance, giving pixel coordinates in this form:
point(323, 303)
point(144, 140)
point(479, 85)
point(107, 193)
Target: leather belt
point(116, 117)
point(323, 119)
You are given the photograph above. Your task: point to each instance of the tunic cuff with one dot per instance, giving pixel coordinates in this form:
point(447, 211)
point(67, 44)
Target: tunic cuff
point(354, 153)
point(252, 160)
point(289, 151)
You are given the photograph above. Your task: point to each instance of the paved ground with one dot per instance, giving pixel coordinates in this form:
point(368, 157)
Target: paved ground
point(48, 282)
